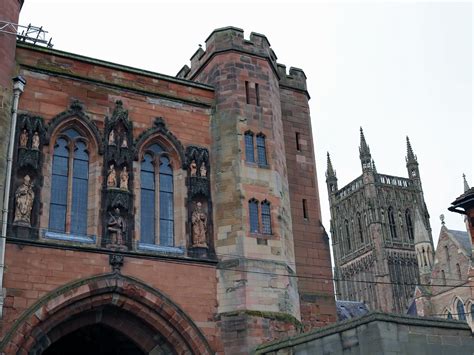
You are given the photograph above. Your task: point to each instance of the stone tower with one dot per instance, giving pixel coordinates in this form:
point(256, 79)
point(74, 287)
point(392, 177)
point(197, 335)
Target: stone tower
point(255, 97)
point(377, 222)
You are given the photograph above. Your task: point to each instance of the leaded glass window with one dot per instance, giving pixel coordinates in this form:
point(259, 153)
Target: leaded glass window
point(266, 218)
point(460, 310)
point(261, 150)
point(156, 190)
point(253, 214)
point(249, 148)
point(68, 207)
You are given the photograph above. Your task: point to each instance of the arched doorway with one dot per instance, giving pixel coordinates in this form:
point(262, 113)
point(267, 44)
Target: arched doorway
point(105, 313)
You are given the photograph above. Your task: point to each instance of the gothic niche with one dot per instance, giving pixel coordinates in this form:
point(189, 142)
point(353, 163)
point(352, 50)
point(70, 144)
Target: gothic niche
point(26, 180)
point(199, 201)
point(117, 199)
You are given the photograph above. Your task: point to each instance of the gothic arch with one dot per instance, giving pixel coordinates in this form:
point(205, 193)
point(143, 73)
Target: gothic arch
point(81, 303)
point(76, 117)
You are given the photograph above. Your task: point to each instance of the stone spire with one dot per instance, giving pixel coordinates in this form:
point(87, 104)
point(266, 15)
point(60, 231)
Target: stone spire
point(364, 152)
point(412, 164)
point(421, 233)
point(466, 185)
point(423, 248)
point(331, 179)
point(410, 158)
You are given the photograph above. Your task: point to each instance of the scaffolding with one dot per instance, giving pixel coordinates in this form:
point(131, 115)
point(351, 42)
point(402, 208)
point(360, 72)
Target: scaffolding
point(28, 34)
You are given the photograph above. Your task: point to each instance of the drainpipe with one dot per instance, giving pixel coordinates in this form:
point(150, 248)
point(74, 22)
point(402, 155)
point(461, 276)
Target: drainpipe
point(18, 87)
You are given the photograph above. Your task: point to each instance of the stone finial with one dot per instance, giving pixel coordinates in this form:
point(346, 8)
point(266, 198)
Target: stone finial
point(441, 218)
point(466, 185)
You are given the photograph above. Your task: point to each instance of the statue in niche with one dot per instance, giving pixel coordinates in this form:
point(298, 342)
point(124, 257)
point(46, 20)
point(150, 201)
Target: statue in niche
point(116, 227)
point(112, 177)
point(24, 197)
point(193, 168)
point(124, 142)
point(199, 221)
point(23, 138)
point(35, 143)
point(124, 179)
point(203, 170)
point(112, 137)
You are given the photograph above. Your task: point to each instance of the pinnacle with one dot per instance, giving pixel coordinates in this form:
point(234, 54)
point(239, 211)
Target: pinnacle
point(466, 185)
point(410, 155)
point(330, 170)
point(364, 148)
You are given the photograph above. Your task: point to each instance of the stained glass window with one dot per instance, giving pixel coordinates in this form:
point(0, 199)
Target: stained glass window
point(147, 182)
point(166, 203)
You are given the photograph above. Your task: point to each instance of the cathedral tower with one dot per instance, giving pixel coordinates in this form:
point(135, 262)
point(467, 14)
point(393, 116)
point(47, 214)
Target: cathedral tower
point(378, 222)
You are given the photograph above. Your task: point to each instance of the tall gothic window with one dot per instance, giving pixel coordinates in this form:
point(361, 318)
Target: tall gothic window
point(266, 218)
point(253, 214)
point(472, 312)
point(391, 223)
point(409, 224)
point(156, 196)
point(249, 147)
point(359, 228)
point(460, 310)
point(69, 184)
point(261, 150)
point(348, 235)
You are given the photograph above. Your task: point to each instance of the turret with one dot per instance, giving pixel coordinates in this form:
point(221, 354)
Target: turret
point(364, 153)
point(331, 179)
point(423, 248)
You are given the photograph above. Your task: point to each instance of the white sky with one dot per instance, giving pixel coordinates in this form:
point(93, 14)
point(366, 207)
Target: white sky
point(395, 69)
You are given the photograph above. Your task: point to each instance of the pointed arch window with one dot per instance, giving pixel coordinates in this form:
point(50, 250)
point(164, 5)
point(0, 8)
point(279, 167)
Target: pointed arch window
point(249, 147)
point(261, 150)
point(69, 184)
point(359, 227)
point(253, 213)
point(392, 224)
point(260, 217)
point(266, 218)
point(449, 315)
point(409, 224)
point(156, 197)
point(460, 310)
point(348, 235)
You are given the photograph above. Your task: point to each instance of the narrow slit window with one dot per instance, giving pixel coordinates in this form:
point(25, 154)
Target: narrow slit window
point(253, 214)
point(247, 96)
point(298, 147)
point(249, 148)
point(305, 209)
point(257, 95)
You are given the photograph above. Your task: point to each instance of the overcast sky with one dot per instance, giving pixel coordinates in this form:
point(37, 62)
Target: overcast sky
point(395, 69)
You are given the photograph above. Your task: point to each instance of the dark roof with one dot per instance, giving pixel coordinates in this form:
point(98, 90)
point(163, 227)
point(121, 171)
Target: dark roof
point(463, 239)
point(350, 309)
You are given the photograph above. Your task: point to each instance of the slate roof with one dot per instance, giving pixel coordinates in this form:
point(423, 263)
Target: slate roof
point(350, 309)
point(463, 239)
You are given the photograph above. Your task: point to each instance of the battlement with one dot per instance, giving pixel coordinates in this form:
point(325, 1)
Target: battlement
point(232, 39)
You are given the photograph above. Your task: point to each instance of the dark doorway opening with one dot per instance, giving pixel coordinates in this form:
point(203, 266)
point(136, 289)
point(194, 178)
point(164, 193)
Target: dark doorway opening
point(94, 339)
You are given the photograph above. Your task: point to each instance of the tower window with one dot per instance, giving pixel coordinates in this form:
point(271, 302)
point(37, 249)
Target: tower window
point(348, 235)
point(391, 222)
point(68, 211)
point(253, 214)
point(257, 94)
point(359, 225)
point(266, 218)
point(261, 150)
point(305, 209)
point(249, 147)
point(298, 147)
point(409, 224)
point(247, 93)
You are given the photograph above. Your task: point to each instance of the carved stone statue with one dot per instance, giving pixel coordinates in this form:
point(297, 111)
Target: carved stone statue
point(112, 177)
point(203, 170)
point(193, 168)
point(112, 137)
point(35, 143)
point(124, 142)
point(116, 227)
point(199, 221)
point(24, 197)
point(124, 179)
point(23, 138)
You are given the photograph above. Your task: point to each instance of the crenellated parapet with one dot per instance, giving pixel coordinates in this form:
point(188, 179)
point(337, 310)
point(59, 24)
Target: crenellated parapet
point(230, 38)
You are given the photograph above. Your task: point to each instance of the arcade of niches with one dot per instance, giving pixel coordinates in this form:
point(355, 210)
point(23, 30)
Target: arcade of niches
point(159, 214)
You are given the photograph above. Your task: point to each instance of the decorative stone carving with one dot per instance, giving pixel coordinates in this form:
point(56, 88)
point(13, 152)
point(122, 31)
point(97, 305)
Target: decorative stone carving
point(24, 198)
point(199, 222)
point(124, 179)
point(36, 141)
point(116, 227)
point(203, 170)
point(111, 177)
point(116, 262)
point(111, 140)
point(193, 168)
point(23, 139)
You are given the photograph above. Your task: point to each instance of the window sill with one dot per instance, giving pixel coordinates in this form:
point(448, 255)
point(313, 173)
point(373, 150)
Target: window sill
point(257, 165)
point(70, 237)
point(261, 235)
point(160, 248)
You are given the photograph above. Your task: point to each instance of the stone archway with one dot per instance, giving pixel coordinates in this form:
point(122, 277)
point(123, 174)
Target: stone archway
point(127, 308)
